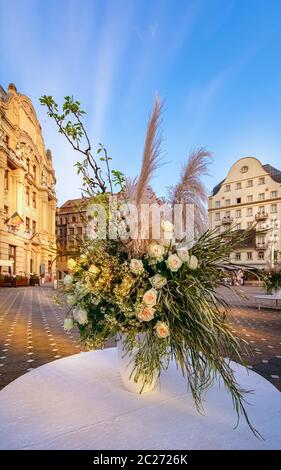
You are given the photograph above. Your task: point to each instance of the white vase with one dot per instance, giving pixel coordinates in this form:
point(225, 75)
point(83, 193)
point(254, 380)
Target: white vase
point(126, 367)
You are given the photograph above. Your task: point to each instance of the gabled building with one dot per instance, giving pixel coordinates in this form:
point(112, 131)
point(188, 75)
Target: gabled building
point(250, 193)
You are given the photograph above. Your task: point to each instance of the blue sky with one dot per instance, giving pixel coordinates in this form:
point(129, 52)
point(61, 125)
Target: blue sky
point(216, 64)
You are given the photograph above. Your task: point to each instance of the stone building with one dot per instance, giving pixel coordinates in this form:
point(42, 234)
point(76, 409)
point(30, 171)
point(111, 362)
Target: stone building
point(250, 193)
point(27, 190)
point(70, 228)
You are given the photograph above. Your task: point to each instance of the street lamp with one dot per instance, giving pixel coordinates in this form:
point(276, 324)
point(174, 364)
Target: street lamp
point(273, 240)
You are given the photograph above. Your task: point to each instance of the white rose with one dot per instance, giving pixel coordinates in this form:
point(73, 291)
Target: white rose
point(146, 313)
point(156, 251)
point(136, 266)
point(68, 324)
point(183, 253)
point(71, 264)
point(158, 281)
point(80, 316)
point(150, 297)
point(167, 226)
point(174, 263)
point(162, 329)
point(67, 280)
point(193, 262)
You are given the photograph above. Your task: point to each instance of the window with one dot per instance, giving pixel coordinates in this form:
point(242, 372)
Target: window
point(12, 257)
point(71, 243)
point(249, 211)
point(261, 255)
point(73, 220)
point(262, 180)
point(71, 231)
point(34, 200)
point(79, 231)
point(244, 169)
point(27, 196)
point(27, 223)
point(217, 216)
point(238, 200)
point(33, 226)
point(7, 141)
point(261, 196)
point(273, 194)
point(227, 213)
point(60, 221)
point(238, 226)
point(238, 256)
point(6, 180)
point(238, 185)
point(250, 198)
point(227, 202)
point(261, 208)
point(6, 211)
point(28, 165)
point(249, 255)
point(249, 224)
point(217, 204)
point(227, 187)
point(273, 208)
point(65, 220)
point(238, 213)
point(34, 171)
point(249, 183)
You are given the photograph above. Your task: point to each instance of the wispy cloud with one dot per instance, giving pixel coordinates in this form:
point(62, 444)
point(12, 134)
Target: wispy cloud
point(112, 45)
point(199, 99)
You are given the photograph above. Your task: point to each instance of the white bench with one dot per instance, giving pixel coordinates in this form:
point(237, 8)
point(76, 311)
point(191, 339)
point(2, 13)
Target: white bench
point(275, 297)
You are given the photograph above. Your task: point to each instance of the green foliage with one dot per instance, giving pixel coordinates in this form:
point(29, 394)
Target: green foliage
point(70, 124)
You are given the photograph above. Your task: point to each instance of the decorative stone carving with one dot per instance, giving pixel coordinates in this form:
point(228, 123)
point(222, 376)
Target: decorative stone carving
point(43, 178)
point(19, 152)
point(2, 136)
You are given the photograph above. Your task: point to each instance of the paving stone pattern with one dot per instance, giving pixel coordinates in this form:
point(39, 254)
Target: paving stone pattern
point(32, 334)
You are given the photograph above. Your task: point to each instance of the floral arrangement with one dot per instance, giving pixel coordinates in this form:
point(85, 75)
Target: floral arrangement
point(165, 287)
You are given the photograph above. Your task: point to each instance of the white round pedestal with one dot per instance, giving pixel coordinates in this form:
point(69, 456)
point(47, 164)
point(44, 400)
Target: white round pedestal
point(79, 402)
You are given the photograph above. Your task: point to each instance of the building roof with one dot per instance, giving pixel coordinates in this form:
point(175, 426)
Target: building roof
point(71, 205)
point(271, 170)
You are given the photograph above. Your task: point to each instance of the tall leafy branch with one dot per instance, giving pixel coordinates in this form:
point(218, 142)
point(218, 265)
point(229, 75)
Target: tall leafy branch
point(69, 120)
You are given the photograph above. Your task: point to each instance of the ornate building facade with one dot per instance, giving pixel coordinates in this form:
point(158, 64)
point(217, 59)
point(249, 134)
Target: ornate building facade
point(249, 195)
point(27, 190)
point(71, 228)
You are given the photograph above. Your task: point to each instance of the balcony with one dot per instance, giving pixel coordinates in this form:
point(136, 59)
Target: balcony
point(227, 220)
point(261, 246)
point(262, 215)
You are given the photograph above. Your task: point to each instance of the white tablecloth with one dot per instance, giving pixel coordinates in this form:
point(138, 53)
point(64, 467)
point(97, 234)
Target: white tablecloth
point(79, 402)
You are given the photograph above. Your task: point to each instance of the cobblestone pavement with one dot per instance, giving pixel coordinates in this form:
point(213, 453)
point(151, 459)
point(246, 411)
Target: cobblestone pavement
point(31, 332)
point(261, 329)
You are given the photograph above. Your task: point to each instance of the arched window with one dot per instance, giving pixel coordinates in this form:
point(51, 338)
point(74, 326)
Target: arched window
point(244, 169)
point(34, 171)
